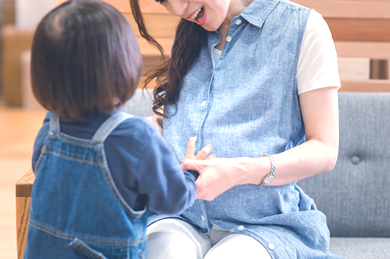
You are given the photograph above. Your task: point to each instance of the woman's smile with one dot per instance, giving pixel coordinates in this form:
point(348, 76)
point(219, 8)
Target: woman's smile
point(210, 14)
point(196, 15)
point(199, 16)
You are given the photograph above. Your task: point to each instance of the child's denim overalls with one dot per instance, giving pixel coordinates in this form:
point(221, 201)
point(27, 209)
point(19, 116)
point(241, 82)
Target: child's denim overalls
point(76, 210)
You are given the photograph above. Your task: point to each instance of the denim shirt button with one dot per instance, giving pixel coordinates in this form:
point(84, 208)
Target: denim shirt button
point(203, 218)
point(203, 103)
point(228, 39)
point(238, 22)
point(271, 246)
point(240, 228)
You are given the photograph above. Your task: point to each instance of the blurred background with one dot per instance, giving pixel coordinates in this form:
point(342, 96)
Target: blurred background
point(21, 116)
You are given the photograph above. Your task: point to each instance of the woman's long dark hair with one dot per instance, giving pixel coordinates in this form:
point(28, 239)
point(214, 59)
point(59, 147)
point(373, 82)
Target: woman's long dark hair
point(189, 38)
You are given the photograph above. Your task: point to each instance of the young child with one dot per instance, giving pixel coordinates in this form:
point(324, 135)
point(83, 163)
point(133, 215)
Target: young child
point(98, 170)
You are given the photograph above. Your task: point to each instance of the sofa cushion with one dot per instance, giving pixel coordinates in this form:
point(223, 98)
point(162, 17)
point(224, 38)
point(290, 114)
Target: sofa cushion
point(361, 248)
point(355, 195)
point(140, 104)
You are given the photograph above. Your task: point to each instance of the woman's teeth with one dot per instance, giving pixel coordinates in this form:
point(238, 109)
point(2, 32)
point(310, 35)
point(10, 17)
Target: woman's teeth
point(194, 16)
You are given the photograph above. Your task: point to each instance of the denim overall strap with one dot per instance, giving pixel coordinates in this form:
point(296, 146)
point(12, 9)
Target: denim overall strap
point(77, 184)
point(54, 122)
point(109, 125)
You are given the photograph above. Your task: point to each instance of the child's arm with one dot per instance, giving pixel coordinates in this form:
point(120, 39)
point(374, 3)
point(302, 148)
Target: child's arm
point(169, 190)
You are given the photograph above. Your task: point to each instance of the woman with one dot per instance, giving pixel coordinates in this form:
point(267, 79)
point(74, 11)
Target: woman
point(258, 80)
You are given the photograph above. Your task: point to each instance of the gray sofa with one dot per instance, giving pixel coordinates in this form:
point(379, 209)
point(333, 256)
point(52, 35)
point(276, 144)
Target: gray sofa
point(355, 195)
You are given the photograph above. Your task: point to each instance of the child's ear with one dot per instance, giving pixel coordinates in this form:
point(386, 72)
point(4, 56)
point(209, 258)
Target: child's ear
point(116, 101)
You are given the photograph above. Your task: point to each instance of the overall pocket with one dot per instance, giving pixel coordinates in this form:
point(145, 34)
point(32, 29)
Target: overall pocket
point(84, 249)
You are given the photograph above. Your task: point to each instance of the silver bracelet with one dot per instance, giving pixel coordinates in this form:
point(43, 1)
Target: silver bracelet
point(270, 176)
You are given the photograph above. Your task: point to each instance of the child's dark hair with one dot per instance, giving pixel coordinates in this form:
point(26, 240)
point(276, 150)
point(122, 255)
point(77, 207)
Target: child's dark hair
point(85, 60)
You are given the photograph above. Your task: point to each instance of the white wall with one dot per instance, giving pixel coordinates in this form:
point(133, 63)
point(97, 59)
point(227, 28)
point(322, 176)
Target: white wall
point(28, 13)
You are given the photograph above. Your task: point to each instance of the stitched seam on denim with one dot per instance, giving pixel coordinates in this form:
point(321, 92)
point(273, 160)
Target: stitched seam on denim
point(72, 158)
point(40, 160)
point(114, 124)
point(74, 140)
point(107, 124)
point(54, 121)
point(41, 156)
point(89, 240)
point(79, 246)
point(114, 190)
point(111, 184)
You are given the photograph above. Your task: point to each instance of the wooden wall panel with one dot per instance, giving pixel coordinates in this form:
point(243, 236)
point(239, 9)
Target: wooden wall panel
point(359, 29)
point(365, 86)
point(147, 6)
point(372, 50)
point(357, 69)
point(349, 9)
point(159, 25)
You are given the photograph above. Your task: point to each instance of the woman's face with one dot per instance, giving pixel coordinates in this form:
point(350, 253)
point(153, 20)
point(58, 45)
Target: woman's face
point(209, 14)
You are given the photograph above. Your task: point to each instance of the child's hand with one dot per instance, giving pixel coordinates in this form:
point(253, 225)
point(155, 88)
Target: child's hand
point(203, 153)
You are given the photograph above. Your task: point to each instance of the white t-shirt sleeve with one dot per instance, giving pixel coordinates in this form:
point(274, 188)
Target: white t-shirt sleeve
point(317, 64)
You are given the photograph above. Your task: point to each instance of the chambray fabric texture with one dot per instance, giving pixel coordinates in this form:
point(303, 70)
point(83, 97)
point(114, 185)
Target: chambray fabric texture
point(245, 106)
point(355, 195)
point(77, 210)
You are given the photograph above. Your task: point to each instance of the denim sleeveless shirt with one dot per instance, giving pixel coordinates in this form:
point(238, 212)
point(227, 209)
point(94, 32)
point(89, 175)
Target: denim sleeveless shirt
point(72, 190)
point(246, 106)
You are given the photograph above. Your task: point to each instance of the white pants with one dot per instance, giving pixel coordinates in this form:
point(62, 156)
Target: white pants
point(176, 239)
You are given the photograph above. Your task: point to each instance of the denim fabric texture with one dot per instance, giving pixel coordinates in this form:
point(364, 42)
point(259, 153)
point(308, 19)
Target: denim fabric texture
point(246, 106)
point(67, 214)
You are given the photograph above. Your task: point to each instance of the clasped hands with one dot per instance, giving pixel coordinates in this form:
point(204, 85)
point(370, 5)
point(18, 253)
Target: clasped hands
point(216, 175)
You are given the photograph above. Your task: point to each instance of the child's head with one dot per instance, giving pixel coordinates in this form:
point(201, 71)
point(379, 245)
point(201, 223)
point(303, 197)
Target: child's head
point(85, 60)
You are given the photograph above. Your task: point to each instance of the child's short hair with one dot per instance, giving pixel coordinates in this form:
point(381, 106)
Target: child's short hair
point(85, 60)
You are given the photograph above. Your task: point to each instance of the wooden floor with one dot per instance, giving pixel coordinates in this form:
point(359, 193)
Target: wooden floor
point(18, 129)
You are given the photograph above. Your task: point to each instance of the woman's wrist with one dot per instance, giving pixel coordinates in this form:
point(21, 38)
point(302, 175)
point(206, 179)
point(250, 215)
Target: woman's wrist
point(254, 169)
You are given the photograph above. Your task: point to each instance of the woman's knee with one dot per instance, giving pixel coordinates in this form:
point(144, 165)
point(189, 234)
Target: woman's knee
point(175, 239)
point(238, 246)
point(170, 245)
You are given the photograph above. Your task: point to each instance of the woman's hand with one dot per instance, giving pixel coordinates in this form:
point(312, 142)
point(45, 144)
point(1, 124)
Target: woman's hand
point(220, 174)
point(203, 153)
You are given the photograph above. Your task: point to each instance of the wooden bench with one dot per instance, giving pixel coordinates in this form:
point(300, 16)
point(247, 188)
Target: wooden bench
point(23, 200)
point(360, 29)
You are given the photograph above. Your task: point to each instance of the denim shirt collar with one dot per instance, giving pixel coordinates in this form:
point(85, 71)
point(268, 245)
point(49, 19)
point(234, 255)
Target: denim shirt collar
point(252, 15)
